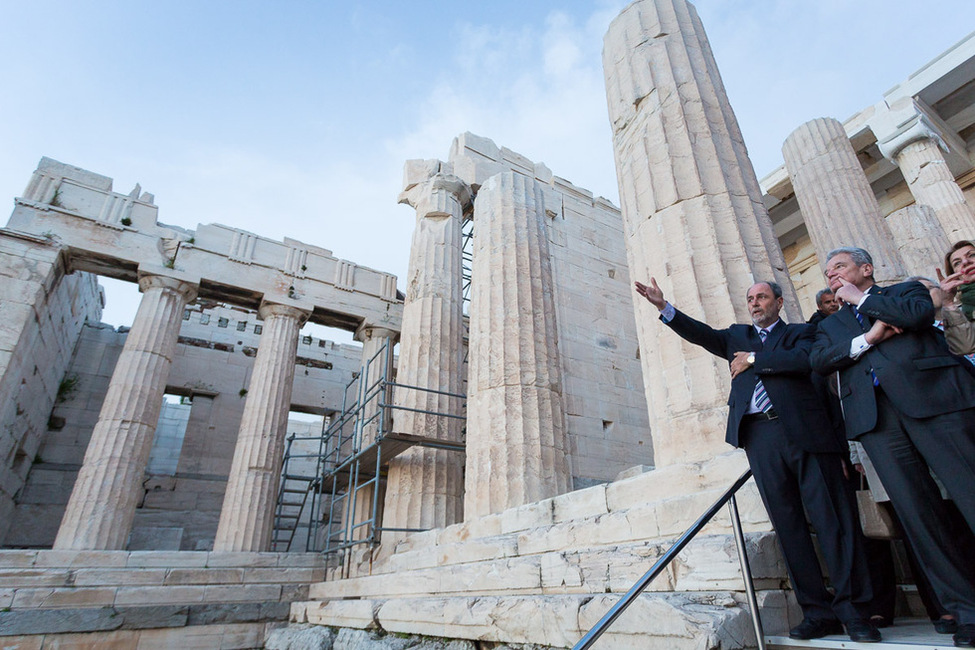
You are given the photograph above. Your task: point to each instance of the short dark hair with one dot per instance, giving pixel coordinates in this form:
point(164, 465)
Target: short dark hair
point(819, 295)
point(957, 246)
point(776, 289)
point(859, 255)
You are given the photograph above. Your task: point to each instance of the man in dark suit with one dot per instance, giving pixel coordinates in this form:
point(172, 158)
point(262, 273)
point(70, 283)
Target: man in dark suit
point(911, 404)
point(795, 456)
point(826, 306)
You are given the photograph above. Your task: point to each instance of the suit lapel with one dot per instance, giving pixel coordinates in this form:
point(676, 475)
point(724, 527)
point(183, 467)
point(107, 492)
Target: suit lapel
point(774, 336)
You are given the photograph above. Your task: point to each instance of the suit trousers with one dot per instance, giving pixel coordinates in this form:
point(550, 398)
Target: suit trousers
point(793, 482)
point(902, 450)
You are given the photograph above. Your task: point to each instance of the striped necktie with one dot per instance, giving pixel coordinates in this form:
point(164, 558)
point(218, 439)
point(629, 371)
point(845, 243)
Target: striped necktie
point(762, 400)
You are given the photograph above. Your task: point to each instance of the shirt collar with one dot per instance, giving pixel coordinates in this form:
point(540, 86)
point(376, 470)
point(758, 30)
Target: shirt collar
point(767, 329)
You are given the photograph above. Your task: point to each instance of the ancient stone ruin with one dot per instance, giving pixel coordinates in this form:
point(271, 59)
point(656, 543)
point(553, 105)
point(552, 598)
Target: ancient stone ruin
point(512, 441)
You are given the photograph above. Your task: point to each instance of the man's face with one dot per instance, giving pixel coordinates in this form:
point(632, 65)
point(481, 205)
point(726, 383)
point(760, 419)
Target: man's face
point(963, 261)
point(828, 304)
point(842, 266)
point(763, 305)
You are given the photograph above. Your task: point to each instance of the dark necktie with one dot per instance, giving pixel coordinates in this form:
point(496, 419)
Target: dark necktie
point(863, 326)
point(762, 400)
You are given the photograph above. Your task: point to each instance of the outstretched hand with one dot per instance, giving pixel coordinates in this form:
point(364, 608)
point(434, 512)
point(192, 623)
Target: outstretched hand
point(652, 293)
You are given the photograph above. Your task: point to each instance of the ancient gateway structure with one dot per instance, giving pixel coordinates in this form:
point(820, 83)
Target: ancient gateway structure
point(513, 439)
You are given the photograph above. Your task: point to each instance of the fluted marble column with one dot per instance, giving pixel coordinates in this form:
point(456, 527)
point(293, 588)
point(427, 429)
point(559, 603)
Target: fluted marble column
point(932, 184)
point(693, 215)
point(252, 487)
point(919, 237)
point(425, 486)
point(516, 435)
point(837, 203)
point(377, 364)
point(102, 506)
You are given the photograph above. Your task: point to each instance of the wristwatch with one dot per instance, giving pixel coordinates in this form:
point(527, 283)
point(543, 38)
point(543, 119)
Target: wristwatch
point(750, 358)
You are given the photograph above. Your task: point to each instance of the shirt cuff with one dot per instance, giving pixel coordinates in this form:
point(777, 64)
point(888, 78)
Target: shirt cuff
point(860, 304)
point(858, 346)
point(667, 313)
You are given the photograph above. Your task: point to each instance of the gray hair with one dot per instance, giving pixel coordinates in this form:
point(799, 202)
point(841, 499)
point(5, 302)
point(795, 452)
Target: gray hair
point(776, 289)
point(858, 255)
point(820, 294)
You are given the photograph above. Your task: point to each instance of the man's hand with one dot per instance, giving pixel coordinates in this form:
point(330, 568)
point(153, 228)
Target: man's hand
point(652, 293)
point(739, 364)
point(880, 332)
point(848, 293)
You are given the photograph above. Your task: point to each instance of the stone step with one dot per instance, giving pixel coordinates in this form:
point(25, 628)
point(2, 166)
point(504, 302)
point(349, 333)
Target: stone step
point(671, 621)
point(233, 636)
point(708, 563)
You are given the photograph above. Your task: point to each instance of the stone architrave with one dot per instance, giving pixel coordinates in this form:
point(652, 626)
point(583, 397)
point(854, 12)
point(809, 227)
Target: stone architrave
point(838, 206)
point(425, 486)
point(377, 368)
point(102, 506)
point(692, 211)
point(516, 434)
point(247, 514)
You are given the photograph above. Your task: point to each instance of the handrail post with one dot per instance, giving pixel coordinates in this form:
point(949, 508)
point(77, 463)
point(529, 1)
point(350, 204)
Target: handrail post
point(746, 573)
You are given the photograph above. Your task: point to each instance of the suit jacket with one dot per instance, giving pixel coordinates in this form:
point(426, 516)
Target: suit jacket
point(916, 370)
point(783, 365)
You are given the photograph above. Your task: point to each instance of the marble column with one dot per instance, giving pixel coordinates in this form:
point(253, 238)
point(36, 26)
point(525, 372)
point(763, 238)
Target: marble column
point(920, 239)
point(837, 202)
point(102, 506)
point(913, 136)
point(372, 420)
point(693, 215)
point(932, 184)
point(517, 449)
point(252, 487)
point(425, 486)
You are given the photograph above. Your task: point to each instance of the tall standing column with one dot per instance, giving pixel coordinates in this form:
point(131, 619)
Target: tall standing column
point(912, 136)
point(248, 505)
point(102, 506)
point(516, 435)
point(837, 203)
point(425, 486)
point(932, 184)
point(692, 212)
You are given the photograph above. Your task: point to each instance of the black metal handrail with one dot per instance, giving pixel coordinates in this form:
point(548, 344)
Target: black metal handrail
point(665, 559)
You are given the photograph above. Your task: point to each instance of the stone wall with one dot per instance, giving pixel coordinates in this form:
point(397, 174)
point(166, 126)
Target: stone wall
point(185, 485)
point(43, 311)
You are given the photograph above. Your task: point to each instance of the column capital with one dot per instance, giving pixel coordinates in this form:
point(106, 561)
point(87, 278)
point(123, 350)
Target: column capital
point(268, 309)
point(424, 179)
point(908, 120)
point(367, 332)
point(151, 281)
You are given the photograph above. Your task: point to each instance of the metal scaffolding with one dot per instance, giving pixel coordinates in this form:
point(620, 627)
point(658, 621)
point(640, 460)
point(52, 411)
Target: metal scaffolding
point(340, 500)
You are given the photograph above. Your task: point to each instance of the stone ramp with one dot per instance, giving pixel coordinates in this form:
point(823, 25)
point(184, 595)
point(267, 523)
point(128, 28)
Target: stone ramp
point(148, 599)
point(546, 572)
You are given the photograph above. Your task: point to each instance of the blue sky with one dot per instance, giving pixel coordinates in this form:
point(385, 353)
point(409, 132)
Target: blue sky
point(293, 118)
